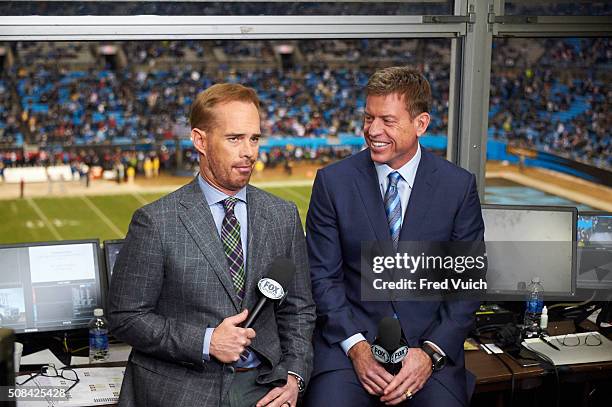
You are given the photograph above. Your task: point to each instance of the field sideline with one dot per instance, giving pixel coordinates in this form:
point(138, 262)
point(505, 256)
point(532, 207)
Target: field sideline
point(95, 216)
point(104, 210)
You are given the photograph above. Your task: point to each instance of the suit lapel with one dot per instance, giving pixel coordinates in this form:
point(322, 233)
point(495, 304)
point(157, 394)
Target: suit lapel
point(198, 220)
point(369, 190)
point(258, 225)
point(420, 198)
point(418, 205)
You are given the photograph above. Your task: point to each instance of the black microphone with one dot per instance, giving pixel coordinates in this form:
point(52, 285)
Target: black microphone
point(389, 347)
point(273, 287)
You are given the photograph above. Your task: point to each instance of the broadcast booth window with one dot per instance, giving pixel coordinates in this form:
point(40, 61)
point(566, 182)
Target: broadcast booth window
point(547, 135)
point(89, 111)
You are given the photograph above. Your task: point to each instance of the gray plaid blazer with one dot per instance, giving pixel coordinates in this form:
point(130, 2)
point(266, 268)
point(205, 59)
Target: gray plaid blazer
point(171, 282)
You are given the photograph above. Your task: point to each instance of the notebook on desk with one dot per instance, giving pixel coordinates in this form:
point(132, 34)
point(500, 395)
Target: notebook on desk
point(96, 386)
point(587, 351)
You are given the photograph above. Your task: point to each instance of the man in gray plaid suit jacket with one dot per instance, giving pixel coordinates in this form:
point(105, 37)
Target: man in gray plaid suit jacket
point(188, 271)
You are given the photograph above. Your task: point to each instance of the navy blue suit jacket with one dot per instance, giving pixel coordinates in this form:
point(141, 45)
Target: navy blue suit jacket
point(346, 209)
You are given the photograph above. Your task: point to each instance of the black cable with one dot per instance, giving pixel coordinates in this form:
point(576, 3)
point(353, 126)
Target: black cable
point(558, 381)
point(512, 379)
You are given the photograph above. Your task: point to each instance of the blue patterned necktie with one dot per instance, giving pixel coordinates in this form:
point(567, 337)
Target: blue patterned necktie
point(232, 245)
point(393, 207)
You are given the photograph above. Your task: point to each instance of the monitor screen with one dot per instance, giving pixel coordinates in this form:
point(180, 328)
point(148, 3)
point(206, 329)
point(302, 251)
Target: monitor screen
point(524, 242)
point(49, 286)
point(111, 252)
point(594, 234)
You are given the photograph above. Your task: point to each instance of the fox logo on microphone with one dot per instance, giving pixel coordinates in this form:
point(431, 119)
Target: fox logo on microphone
point(399, 354)
point(380, 354)
point(271, 289)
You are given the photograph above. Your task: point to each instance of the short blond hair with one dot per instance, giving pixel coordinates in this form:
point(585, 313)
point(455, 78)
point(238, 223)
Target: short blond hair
point(404, 81)
point(202, 115)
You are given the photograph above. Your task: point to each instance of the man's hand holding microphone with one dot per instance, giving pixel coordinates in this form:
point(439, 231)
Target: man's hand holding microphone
point(229, 340)
point(232, 337)
point(388, 368)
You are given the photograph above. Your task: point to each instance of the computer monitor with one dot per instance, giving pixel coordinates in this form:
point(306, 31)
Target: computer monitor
point(111, 252)
point(49, 286)
point(524, 242)
point(594, 235)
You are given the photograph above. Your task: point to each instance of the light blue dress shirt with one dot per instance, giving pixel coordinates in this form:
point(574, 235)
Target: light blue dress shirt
point(215, 199)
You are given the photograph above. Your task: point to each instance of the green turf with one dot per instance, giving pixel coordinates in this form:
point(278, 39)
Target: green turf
point(102, 217)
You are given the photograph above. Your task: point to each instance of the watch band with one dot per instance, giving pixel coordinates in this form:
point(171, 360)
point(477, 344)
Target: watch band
point(437, 361)
point(300, 382)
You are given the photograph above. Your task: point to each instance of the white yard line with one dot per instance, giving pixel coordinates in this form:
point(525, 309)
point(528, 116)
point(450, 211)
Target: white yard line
point(102, 216)
point(140, 198)
point(44, 218)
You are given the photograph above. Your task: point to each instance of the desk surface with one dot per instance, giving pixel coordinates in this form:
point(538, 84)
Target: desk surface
point(492, 374)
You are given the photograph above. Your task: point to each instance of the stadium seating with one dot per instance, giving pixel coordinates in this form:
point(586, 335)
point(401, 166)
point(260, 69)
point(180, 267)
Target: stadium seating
point(536, 96)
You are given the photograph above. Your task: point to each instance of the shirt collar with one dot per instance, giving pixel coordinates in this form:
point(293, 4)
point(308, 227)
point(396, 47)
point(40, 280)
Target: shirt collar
point(407, 171)
point(214, 196)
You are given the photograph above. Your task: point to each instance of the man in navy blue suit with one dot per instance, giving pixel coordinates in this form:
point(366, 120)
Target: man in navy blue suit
point(392, 191)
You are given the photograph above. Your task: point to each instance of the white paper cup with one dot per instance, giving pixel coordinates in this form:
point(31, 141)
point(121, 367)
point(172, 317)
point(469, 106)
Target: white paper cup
point(17, 355)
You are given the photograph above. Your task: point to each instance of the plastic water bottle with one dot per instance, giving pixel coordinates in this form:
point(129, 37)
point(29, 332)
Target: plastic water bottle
point(533, 308)
point(98, 337)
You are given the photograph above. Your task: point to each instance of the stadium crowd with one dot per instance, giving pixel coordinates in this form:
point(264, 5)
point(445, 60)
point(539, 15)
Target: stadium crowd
point(558, 105)
point(229, 8)
point(553, 99)
point(71, 8)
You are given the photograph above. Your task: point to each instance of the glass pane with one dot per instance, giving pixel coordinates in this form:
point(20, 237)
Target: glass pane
point(142, 90)
point(220, 8)
point(558, 8)
point(549, 122)
point(100, 103)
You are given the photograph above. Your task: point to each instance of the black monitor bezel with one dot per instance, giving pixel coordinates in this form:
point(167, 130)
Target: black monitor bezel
point(513, 295)
point(99, 276)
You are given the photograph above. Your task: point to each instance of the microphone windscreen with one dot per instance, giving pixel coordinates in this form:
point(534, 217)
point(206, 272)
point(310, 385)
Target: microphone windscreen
point(389, 333)
point(282, 271)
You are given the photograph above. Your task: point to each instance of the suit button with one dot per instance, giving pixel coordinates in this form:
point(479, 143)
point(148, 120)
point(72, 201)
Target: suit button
point(231, 369)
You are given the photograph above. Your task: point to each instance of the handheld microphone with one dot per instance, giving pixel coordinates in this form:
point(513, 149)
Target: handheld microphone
point(273, 287)
point(389, 348)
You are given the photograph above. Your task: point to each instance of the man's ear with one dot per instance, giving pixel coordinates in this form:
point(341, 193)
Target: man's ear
point(199, 139)
point(421, 122)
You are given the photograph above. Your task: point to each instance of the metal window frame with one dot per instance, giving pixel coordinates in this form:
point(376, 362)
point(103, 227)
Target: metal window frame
point(550, 26)
point(37, 28)
point(471, 69)
point(468, 116)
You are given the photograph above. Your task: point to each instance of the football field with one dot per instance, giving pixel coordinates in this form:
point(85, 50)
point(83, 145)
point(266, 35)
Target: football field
point(96, 216)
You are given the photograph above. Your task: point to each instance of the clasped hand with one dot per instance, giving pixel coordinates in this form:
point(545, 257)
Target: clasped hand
point(392, 390)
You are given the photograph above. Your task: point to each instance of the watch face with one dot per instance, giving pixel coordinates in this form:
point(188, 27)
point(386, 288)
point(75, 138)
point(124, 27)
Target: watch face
point(439, 361)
